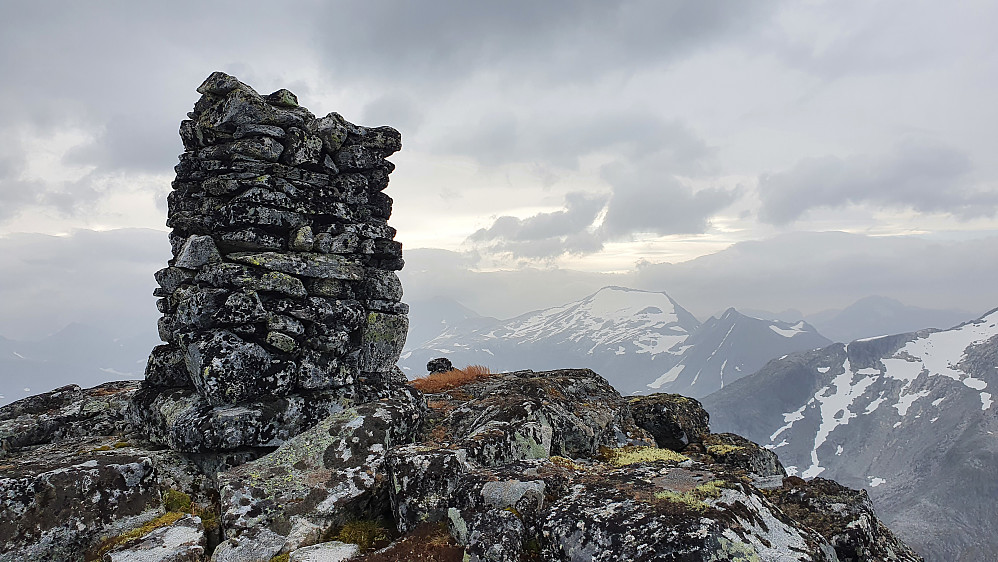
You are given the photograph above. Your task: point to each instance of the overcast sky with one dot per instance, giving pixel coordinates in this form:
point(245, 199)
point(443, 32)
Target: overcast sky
point(692, 147)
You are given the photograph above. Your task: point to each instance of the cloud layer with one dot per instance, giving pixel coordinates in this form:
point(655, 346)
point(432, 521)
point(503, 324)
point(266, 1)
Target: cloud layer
point(925, 177)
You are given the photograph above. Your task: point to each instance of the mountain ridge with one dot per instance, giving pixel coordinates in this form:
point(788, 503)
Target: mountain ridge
point(909, 417)
point(640, 340)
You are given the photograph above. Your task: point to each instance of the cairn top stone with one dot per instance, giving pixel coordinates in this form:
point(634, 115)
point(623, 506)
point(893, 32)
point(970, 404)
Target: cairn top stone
point(281, 304)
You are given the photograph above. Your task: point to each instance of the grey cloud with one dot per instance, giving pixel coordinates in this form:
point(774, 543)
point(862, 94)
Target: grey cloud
point(14, 196)
point(149, 145)
point(504, 137)
point(438, 43)
point(18, 192)
point(546, 235)
point(810, 272)
point(398, 110)
point(126, 73)
point(889, 38)
point(581, 210)
point(502, 294)
point(72, 198)
point(96, 278)
point(15, 193)
point(647, 151)
point(920, 176)
point(820, 270)
point(647, 198)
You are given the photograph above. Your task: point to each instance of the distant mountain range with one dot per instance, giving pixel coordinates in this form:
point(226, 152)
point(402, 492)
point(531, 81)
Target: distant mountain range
point(636, 338)
point(909, 417)
point(80, 354)
point(723, 350)
point(880, 316)
point(641, 341)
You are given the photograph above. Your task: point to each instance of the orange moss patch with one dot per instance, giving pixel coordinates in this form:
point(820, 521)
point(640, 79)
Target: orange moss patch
point(439, 382)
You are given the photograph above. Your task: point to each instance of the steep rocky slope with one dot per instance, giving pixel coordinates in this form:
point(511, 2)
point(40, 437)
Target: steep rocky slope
point(725, 349)
point(910, 417)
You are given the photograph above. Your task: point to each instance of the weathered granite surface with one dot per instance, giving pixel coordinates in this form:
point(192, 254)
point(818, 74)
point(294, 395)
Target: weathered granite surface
point(517, 466)
point(281, 304)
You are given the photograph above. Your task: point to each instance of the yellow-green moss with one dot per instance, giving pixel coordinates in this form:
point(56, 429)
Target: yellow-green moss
point(721, 450)
point(565, 462)
point(135, 534)
point(280, 558)
point(694, 499)
point(683, 498)
point(174, 500)
point(514, 511)
point(208, 515)
point(711, 489)
point(625, 456)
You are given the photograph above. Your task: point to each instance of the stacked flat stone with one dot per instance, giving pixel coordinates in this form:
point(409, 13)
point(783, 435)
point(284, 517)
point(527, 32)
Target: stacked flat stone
point(281, 304)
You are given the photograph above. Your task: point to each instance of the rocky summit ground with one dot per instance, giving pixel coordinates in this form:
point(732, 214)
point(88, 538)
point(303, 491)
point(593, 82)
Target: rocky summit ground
point(521, 466)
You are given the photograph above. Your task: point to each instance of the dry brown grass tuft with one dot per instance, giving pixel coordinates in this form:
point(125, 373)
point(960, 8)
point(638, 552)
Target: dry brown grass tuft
point(439, 382)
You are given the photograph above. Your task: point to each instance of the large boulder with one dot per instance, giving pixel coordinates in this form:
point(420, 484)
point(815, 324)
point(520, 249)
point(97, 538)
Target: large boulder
point(569, 412)
point(73, 476)
point(673, 420)
point(61, 500)
point(65, 413)
point(322, 477)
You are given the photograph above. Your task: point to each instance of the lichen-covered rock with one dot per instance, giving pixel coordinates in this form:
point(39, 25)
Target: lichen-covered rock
point(657, 512)
point(844, 517)
point(333, 551)
point(323, 476)
point(73, 473)
point(439, 365)
point(182, 541)
point(508, 417)
point(282, 294)
point(735, 450)
point(65, 413)
point(255, 545)
point(59, 500)
point(184, 420)
point(612, 500)
point(475, 462)
point(673, 420)
point(422, 481)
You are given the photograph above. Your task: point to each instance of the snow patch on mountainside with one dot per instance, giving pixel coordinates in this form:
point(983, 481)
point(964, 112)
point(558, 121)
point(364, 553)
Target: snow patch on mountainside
point(798, 328)
point(933, 355)
point(669, 376)
point(835, 401)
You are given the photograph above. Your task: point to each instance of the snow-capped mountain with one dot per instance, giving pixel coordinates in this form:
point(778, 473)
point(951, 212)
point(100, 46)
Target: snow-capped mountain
point(428, 318)
point(725, 349)
point(910, 417)
point(640, 341)
point(615, 331)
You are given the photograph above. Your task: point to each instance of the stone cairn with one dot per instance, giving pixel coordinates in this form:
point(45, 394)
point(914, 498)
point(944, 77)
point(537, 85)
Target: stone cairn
point(281, 304)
